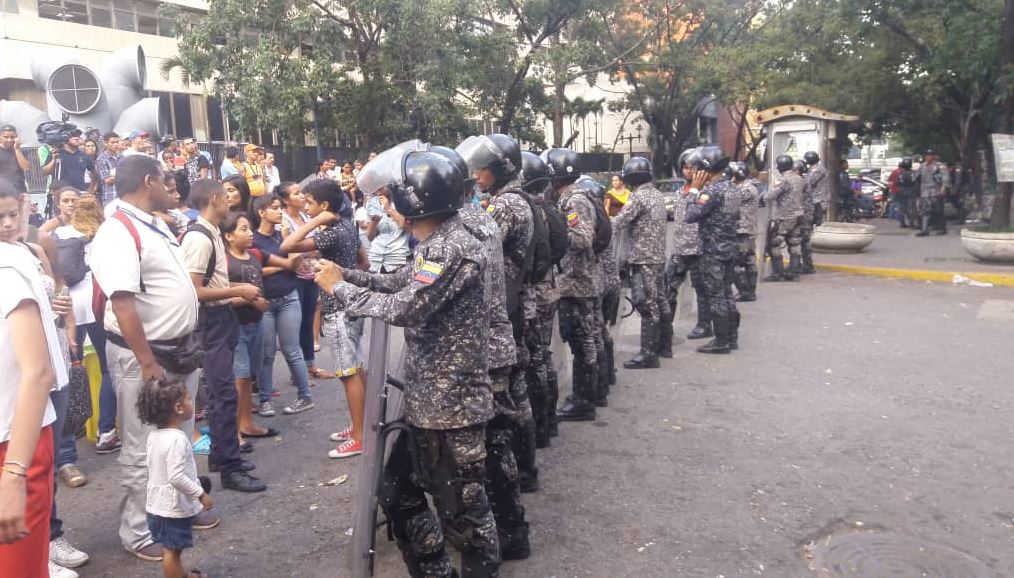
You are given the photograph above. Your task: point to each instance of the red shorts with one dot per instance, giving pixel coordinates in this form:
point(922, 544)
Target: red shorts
point(29, 557)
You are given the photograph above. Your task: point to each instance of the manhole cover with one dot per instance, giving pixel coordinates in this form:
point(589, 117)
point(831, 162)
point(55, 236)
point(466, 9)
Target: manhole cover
point(889, 555)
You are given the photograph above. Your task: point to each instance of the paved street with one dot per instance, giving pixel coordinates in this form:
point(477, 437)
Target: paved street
point(861, 420)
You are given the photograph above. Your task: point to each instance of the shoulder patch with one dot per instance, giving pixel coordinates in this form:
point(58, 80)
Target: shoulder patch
point(572, 220)
point(427, 271)
point(491, 208)
point(703, 198)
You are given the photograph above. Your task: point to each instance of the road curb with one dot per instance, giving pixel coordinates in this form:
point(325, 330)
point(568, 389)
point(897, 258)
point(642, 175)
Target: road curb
point(998, 279)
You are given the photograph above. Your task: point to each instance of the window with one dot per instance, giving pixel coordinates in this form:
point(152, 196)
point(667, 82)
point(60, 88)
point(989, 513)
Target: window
point(74, 88)
point(9, 6)
point(182, 122)
point(101, 13)
point(144, 16)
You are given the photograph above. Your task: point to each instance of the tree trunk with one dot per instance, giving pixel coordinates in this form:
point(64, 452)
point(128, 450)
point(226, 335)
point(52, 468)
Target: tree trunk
point(559, 98)
point(1001, 206)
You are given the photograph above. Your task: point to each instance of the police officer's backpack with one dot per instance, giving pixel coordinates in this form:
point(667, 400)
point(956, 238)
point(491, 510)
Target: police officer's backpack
point(549, 237)
point(603, 226)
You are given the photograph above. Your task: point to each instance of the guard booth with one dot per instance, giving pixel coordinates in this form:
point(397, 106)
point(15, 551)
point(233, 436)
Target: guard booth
point(793, 129)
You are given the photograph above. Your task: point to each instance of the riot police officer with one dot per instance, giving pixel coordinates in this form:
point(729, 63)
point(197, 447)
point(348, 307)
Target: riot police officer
point(440, 301)
point(495, 161)
point(806, 226)
point(746, 234)
point(820, 186)
point(934, 182)
point(908, 193)
point(644, 216)
point(713, 203)
point(576, 283)
point(608, 283)
point(785, 227)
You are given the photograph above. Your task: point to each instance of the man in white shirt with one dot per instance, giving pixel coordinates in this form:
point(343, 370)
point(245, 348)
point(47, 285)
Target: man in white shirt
point(218, 330)
point(151, 302)
point(138, 140)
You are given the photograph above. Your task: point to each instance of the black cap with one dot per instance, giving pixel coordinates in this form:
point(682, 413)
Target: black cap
point(9, 127)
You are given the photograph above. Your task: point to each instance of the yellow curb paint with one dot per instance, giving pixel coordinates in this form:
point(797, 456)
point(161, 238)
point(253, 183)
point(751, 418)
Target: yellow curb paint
point(998, 279)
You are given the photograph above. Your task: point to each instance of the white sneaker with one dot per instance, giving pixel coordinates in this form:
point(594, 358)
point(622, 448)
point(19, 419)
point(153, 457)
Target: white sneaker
point(58, 571)
point(62, 553)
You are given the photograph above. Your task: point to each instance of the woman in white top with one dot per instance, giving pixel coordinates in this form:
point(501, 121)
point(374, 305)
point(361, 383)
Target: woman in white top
point(29, 367)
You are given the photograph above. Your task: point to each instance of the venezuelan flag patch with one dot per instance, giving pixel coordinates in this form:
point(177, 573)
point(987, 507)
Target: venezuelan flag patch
point(702, 198)
point(572, 220)
point(428, 272)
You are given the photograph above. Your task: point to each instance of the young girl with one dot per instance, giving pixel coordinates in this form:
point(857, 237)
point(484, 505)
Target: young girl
point(175, 494)
point(247, 265)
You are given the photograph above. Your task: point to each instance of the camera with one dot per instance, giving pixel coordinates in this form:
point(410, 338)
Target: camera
point(54, 132)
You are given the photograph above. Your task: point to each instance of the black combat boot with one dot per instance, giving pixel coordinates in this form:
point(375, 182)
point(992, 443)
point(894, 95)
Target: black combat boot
point(610, 365)
point(720, 344)
point(514, 545)
point(794, 265)
point(575, 409)
point(924, 230)
point(647, 358)
point(806, 268)
point(746, 283)
point(734, 331)
point(600, 393)
point(665, 340)
point(777, 269)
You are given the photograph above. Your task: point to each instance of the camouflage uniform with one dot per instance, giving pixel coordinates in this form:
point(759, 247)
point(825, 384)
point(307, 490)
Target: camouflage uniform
point(716, 211)
point(645, 217)
point(934, 181)
point(806, 228)
point(513, 215)
point(785, 227)
point(746, 242)
point(501, 472)
point(684, 259)
point(608, 308)
point(908, 192)
point(821, 187)
point(578, 285)
point(440, 301)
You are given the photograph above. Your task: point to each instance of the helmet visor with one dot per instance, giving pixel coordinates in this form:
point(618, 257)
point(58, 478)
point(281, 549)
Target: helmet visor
point(479, 152)
point(385, 169)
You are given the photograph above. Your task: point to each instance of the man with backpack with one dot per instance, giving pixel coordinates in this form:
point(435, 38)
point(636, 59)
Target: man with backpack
point(577, 283)
point(218, 331)
point(495, 162)
point(608, 283)
point(645, 217)
point(541, 297)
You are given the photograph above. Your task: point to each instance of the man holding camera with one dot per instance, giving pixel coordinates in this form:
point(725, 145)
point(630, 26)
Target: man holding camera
point(70, 164)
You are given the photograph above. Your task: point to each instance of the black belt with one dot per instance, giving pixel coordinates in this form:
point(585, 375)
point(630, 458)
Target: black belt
point(119, 341)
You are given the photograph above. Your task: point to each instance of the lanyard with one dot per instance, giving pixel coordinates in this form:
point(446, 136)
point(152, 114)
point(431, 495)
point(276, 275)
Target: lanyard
point(163, 234)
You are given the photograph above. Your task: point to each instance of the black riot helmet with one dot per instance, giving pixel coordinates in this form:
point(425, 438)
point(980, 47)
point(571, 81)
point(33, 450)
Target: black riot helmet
point(811, 157)
point(499, 153)
point(636, 171)
point(906, 163)
point(534, 173)
point(783, 163)
point(563, 164)
point(738, 170)
point(800, 167)
point(710, 158)
point(684, 156)
point(453, 156)
point(431, 184)
point(597, 189)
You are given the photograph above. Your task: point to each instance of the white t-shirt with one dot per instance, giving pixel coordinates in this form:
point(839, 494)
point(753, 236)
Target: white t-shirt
point(173, 488)
point(168, 306)
point(17, 288)
point(80, 294)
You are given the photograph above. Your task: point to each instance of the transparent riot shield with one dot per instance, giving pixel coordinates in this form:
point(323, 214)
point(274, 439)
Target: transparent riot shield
point(382, 422)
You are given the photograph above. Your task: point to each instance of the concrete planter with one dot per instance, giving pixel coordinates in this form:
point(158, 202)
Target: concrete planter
point(989, 247)
point(842, 237)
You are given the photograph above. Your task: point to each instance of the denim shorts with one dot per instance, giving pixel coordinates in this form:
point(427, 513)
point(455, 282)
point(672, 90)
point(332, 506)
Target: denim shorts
point(172, 533)
point(343, 337)
point(249, 351)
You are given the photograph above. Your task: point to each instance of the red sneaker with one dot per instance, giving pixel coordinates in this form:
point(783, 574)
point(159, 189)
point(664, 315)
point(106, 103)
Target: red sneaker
point(346, 449)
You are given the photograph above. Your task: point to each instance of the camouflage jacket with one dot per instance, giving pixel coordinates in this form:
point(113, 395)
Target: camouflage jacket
point(609, 269)
point(934, 179)
point(748, 197)
point(439, 301)
point(819, 184)
point(808, 200)
point(686, 241)
point(514, 217)
point(502, 352)
point(644, 215)
point(579, 275)
point(716, 210)
point(787, 196)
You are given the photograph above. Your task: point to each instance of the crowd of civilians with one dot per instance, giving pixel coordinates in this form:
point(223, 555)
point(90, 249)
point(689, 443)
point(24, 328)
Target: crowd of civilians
point(186, 279)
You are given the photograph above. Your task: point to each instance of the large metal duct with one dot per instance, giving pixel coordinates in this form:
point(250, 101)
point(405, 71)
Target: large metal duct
point(23, 116)
point(45, 63)
point(123, 76)
point(144, 115)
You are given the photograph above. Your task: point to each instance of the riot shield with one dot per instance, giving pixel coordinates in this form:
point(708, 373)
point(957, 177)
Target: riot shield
point(382, 418)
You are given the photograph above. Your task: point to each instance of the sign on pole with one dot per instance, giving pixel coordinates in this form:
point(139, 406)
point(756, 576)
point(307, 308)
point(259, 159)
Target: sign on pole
point(1003, 150)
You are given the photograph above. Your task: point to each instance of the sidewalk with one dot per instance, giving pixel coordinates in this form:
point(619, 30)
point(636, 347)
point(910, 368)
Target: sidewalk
point(898, 253)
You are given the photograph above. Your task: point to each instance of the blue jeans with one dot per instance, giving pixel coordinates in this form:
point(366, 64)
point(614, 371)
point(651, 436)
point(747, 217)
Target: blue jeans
point(107, 395)
point(308, 293)
point(249, 351)
point(60, 401)
point(280, 326)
